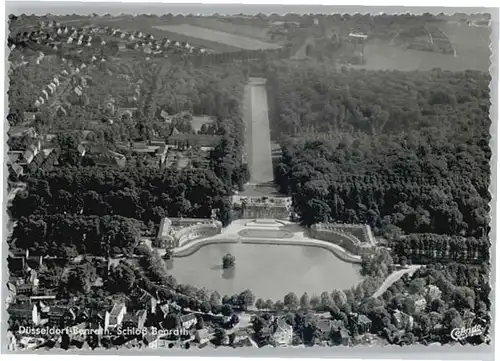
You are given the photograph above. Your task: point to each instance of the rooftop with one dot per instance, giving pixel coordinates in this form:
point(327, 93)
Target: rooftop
point(188, 317)
point(117, 307)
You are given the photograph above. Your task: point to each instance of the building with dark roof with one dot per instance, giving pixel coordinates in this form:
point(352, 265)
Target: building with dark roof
point(188, 320)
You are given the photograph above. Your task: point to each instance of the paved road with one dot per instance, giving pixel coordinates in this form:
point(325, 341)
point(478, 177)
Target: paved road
point(394, 277)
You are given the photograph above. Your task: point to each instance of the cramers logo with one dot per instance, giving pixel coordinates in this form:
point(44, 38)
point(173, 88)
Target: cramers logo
point(459, 334)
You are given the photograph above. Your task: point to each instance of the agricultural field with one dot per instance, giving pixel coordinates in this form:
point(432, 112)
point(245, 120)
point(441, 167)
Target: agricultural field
point(470, 50)
point(471, 44)
point(233, 40)
point(225, 25)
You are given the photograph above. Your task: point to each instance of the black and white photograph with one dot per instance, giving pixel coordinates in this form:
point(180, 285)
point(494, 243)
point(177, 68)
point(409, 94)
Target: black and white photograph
point(201, 177)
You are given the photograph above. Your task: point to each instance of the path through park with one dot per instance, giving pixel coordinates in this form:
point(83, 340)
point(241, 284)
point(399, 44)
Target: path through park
point(258, 135)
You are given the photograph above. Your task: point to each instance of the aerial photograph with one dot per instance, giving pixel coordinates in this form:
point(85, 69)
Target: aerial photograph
point(183, 180)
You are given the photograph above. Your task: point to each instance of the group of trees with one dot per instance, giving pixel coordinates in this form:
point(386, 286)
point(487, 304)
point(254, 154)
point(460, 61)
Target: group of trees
point(430, 248)
point(67, 235)
point(463, 289)
point(228, 261)
point(145, 194)
point(464, 301)
point(413, 157)
point(238, 56)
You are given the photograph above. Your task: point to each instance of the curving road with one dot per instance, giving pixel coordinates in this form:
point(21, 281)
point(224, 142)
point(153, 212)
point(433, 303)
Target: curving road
point(394, 277)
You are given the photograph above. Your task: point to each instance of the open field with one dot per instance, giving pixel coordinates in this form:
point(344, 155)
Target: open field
point(227, 27)
point(300, 269)
point(471, 45)
point(198, 121)
point(234, 40)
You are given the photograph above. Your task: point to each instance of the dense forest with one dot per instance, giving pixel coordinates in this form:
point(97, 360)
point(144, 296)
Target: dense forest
point(66, 236)
point(405, 152)
point(145, 194)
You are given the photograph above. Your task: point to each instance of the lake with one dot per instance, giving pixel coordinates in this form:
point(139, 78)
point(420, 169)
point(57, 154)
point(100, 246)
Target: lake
point(269, 271)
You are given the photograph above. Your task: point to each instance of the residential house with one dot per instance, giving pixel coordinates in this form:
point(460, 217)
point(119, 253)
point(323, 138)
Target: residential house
point(245, 342)
point(141, 316)
point(166, 117)
point(46, 299)
point(469, 318)
point(432, 292)
point(238, 335)
point(95, 327)
point(146, 300)
point(27, 157)
point(43, 307)
point(16, 169)
point(61, 315)
point(34, 148)
point(78, 334)
point(78, 90)
point(419, 304)
point(60, 111)
point(402, 320)
point(151, 339)
point(25, 312)
point(129, 112)
point(32, 277)
point(136, 320)
point(115, 317)
point(188, 320)
point(339, 333)
point(360, 322)
point(29, 116)
point(20, 253)
point(163, 310)
point(12, 292)
point(22, 131)
point(202, 336)
point(283, 333)
point(26, 289)
point(82, 315)
point(325, 327)
point(81, 150)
